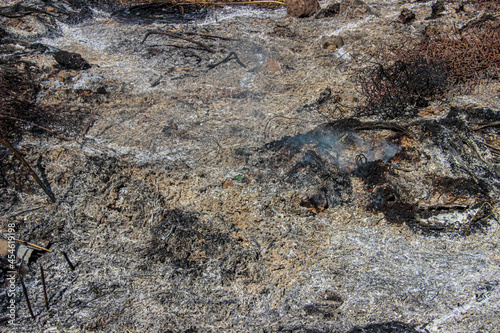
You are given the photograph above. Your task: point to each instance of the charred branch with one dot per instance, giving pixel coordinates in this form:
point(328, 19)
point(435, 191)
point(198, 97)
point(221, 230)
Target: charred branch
point(230, 57)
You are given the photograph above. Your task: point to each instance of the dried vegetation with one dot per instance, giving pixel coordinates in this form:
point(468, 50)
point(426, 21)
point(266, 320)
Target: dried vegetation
point(442, 62)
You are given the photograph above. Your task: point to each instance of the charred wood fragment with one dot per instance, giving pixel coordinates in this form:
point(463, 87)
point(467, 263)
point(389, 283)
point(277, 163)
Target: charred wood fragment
point(25, 292)
point(70, 264)
point(358, 125)
point(71, 60)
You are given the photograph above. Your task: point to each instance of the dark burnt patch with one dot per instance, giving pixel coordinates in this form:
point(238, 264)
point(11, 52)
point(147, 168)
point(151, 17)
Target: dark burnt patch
point(184, 242)
point(466, 153)
point(306, 162)
point(174, 239)
point(372, 173)
point(458, 187)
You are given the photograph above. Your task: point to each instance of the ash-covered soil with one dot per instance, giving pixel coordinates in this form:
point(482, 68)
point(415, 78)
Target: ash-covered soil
point(229, 185)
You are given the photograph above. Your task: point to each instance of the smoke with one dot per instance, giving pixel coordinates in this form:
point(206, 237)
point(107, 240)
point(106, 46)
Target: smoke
point(373, 151)
point(341, 147)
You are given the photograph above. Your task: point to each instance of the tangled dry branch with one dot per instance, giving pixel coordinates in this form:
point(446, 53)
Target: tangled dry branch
point(408, 76)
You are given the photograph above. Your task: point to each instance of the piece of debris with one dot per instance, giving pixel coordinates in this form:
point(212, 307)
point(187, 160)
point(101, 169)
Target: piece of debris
point(407, 16)
point(69, 60)
point(438, 9)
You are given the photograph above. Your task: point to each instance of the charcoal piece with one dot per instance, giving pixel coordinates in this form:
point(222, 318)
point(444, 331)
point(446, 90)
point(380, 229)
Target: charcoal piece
point(407, 16)
point(70, 60)
point(437, 9)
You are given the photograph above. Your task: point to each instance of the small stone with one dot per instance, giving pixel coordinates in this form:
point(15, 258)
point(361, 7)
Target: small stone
point(302, 8)
point(333, 43)
point(70, 60)
point(101, 90)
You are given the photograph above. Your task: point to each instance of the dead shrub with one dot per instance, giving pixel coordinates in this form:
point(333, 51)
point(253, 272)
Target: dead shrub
point(407, 76)
point(470, 55)
point(406, 83)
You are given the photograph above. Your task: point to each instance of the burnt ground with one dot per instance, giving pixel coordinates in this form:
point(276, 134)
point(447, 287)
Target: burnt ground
point(233, 192)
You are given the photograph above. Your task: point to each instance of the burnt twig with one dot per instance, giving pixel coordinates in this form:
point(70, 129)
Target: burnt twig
point(230, 56)
point(208, 36)
point(44, 288)
point(495, 149)
point(25, 292)
point(30, 170)
point(475, 219)
point(68, 261)
point(486, 125)
point(380, 125)
point(170, 34)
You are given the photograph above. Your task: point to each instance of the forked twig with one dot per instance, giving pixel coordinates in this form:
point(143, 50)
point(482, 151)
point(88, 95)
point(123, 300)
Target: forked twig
point(30, 170)
point(231, 56)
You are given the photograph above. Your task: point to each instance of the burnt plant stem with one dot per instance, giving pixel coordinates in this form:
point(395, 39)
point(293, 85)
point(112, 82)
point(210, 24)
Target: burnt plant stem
point(170, 34)
point(25, 292)
point(68, 261)
point(44, 288)
point(29, 169)
point(231, 56)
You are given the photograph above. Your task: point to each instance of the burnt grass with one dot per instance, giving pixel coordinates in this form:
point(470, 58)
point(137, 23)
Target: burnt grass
point(201, 192)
